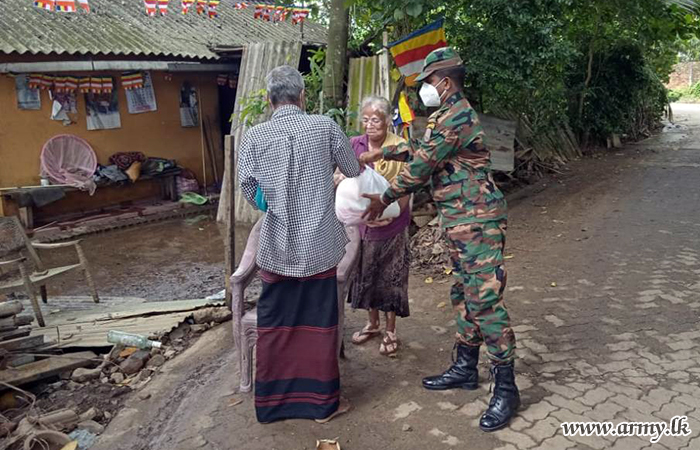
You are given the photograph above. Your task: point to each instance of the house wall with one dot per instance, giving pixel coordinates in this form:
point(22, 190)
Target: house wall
point(156, 134)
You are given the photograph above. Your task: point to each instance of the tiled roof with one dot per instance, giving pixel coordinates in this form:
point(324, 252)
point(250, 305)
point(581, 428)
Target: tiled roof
point(122, 28)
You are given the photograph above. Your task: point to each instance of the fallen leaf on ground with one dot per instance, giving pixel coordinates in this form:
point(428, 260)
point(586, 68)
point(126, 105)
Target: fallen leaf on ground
point(442, 304)
point(509, 257)
point(554, 284)
point(127, 352)
point(235, 402)
point(448, 271)
point(429, 280)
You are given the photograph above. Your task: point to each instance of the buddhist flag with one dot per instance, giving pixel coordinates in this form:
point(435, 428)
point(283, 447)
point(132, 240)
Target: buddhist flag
point(132, 80)
point(403, 113)
point(65, 5)
point(107, 85)
point(163, 7)
point(410, 52)
point(258, 12)
point(71, 84)
point(84, 5)
point(84, 85)
point(151, 7)
point(186, 5)
point(59, 84)
point(213, 4)
point(44, 4)
point(35, 81)
point(201, 6)
point(241, 5)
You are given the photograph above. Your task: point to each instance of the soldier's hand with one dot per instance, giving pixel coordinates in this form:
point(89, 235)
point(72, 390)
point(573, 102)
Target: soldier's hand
point(370, 157)
point(375, 209)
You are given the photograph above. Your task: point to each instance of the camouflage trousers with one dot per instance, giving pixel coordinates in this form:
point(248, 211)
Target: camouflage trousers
point(476, 251)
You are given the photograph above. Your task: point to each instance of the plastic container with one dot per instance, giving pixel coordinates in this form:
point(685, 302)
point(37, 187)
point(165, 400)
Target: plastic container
point(131, 340)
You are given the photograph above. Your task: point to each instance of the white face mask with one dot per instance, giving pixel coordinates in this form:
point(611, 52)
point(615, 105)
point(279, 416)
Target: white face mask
point(430, 96)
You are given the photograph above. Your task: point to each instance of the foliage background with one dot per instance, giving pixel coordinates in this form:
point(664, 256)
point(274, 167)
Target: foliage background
point(592, 67)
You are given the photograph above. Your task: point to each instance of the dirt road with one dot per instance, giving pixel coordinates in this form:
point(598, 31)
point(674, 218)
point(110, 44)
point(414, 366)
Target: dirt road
point(604, 290)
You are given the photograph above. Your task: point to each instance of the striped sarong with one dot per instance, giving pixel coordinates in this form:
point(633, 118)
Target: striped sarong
point(297, 374)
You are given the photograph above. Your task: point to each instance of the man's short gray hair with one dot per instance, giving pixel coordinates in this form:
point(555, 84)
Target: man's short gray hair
point(379, 105)
point(284, 85)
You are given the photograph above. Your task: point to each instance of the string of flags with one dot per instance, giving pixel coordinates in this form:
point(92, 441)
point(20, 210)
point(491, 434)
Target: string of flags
point(86, 85)
point(268, 13)
point(63, 5)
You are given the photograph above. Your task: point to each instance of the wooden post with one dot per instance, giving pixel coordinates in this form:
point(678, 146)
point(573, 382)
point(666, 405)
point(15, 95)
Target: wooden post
point(230, 214)
point(385, 68)
point(201, 135)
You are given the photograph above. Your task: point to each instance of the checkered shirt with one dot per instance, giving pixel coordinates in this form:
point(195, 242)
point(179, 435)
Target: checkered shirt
point(292, 158)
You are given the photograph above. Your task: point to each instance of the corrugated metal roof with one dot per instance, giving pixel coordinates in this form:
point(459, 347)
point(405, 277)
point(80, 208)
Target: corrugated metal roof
point(121, 27)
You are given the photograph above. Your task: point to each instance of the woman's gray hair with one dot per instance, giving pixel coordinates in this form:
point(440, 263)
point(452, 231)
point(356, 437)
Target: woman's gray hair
point(284, 85)
point(378, 104)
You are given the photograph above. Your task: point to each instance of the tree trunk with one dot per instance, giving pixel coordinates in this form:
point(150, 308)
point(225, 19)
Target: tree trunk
point(336, 55)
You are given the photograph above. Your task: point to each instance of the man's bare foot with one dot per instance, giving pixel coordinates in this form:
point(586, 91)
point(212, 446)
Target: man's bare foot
point(343, 407)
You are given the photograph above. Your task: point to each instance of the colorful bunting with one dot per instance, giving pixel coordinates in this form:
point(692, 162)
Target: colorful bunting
point(186, 5)
point(151, 7)
point(46, 82)
point(201, 6)
point(162, 7)
point(84, 85)
point(44, 4)
point(132, 80)
point(95, 85)
point(64, 5)
point(71, 84)
point(222, 79)
point(107, 85)
point(84, 5)
point(258, 11)
point(59, 84)
point(213, 4)
point(34, 81)
point(241, 5)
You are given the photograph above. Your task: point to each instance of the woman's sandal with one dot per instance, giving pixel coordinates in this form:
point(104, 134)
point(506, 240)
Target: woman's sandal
point(390, 344)
point(343, 407)
point(367, 333)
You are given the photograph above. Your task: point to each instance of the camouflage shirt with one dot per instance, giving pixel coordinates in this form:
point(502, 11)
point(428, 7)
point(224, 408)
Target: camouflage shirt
point(454, 162)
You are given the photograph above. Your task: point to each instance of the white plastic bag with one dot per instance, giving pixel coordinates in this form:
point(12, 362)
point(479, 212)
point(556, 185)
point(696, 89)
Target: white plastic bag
point(349, 203)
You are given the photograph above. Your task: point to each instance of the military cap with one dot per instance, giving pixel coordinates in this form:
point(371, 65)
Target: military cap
point(438, 59)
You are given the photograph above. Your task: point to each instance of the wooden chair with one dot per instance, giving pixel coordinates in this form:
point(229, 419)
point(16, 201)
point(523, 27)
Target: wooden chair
point(245, 331)
point(17, 275)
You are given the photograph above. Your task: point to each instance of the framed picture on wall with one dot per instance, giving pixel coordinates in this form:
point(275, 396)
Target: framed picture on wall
point(189, 106)
point(27, 99)
point(103, 111)
point(142, 100)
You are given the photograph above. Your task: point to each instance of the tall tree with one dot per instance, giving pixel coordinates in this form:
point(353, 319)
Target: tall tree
point(336, 57)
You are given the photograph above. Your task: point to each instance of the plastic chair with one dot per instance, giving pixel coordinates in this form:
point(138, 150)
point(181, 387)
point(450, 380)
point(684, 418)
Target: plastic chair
point(245, 331)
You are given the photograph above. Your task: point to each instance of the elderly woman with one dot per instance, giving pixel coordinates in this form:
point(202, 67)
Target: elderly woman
point(381, 281)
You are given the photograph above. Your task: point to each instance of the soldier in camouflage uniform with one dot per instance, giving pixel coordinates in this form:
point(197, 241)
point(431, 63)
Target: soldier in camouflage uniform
point(454, 162)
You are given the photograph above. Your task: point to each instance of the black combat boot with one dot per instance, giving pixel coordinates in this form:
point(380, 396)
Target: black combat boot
point(462, 375)
point(505, 401)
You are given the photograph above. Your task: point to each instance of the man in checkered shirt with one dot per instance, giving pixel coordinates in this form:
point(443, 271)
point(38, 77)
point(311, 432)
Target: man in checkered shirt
point(290, 160)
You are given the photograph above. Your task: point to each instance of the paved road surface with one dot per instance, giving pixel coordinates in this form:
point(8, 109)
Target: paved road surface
point(605, 295)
